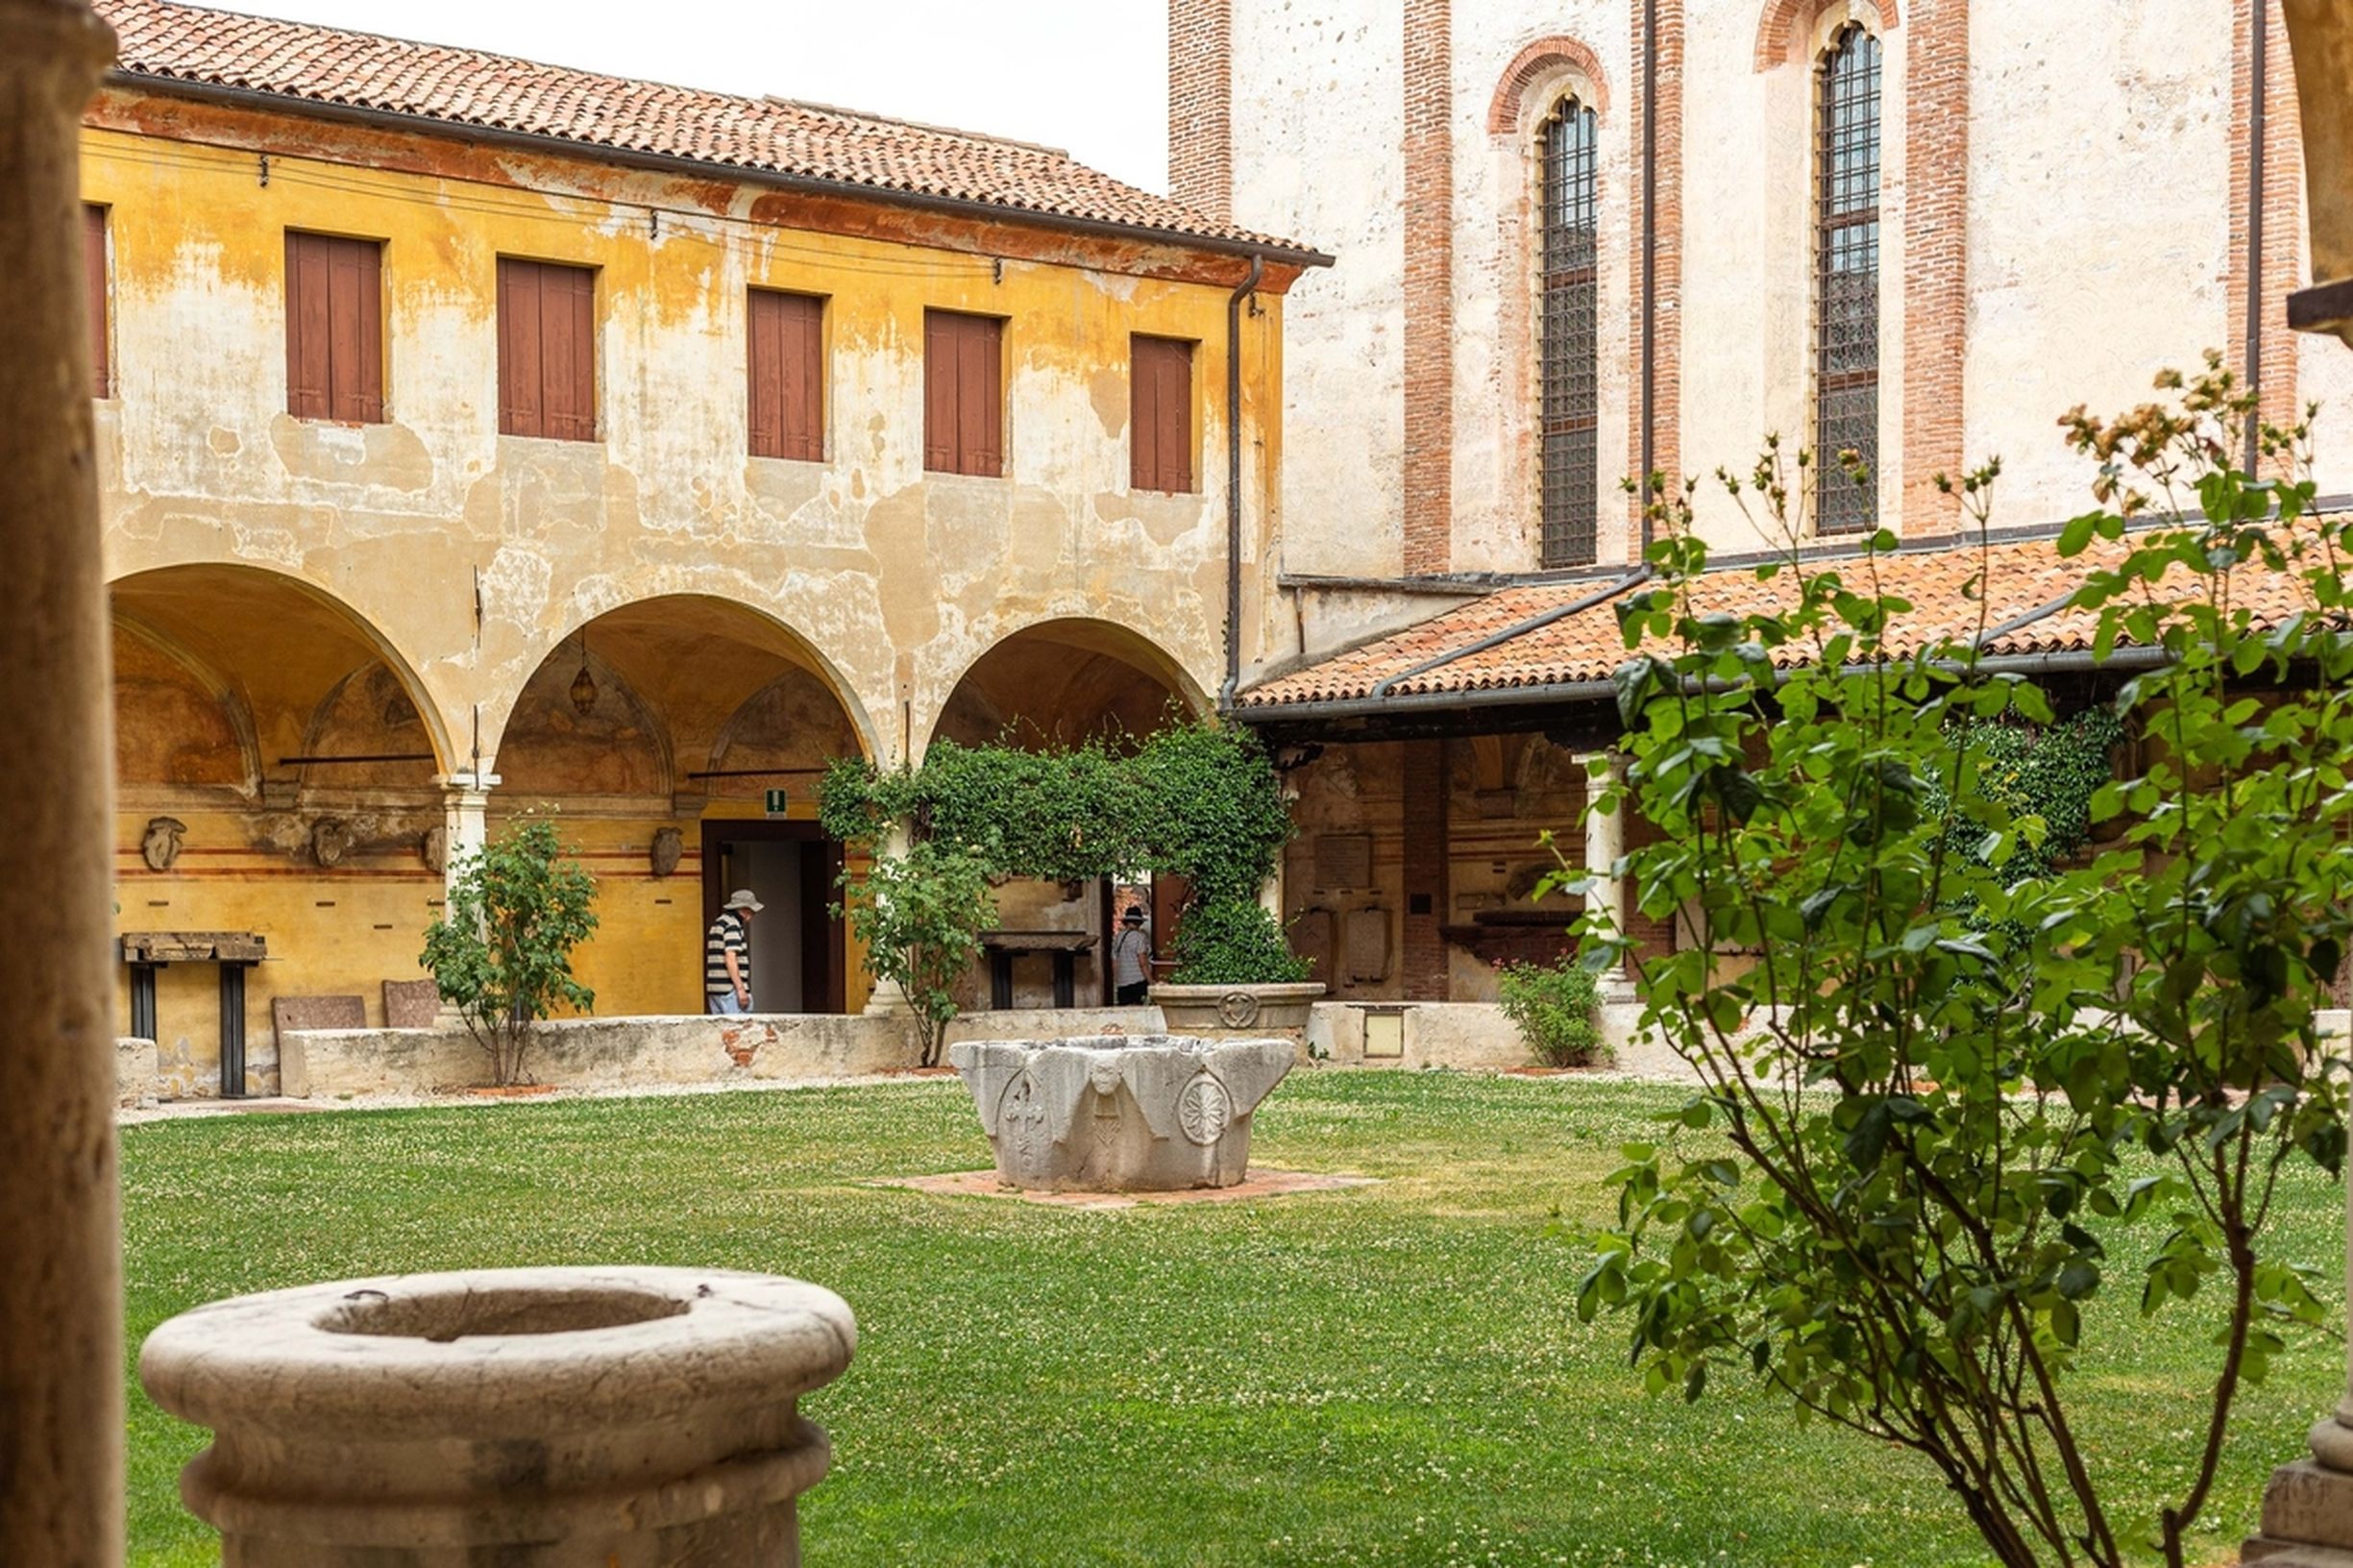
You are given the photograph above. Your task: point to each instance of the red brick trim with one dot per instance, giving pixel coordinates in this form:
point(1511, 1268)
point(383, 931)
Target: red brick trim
point(1506, 112)
point(1935, 261)
point(1201, 105)
point(1429, 287)
point(1785, 24)
point(2283, 212)
point(1666, 413)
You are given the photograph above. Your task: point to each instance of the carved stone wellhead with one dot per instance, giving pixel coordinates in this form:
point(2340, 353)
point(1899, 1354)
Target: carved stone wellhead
point(1121, 1113)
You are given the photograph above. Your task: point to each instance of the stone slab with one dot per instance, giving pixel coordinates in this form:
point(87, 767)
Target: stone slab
point(1259, 1184)
point(408, 1004)
point(292, 1013)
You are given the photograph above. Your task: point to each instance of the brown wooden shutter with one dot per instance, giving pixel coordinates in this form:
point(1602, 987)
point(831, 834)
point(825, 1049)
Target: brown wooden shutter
point(940, 343)
point(547, 350)
point(1160, 418)
point(518, 368)
point(567, 328)
point(787, 372)
point(963, 394)
point(94, 277)
point(334, 328)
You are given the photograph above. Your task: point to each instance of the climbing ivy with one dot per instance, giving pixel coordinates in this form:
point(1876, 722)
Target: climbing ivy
point(1196, 800)
point(2047, 773)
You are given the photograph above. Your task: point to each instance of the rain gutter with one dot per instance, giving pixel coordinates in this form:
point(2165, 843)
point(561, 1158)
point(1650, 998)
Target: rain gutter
point(1259, 252)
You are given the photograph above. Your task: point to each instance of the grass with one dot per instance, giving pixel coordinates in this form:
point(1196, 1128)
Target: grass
point(1389, 1373)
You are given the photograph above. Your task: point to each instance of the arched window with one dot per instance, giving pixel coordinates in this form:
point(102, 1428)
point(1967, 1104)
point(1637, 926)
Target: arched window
point(1568, 297)
point(1846, 280)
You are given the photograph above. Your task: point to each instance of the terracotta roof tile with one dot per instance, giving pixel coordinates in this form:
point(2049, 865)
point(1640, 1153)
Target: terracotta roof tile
point(468, 89)
point(2021, 577)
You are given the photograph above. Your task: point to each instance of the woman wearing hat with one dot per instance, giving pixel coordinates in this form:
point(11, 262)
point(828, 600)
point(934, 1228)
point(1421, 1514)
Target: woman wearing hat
point(726, 955)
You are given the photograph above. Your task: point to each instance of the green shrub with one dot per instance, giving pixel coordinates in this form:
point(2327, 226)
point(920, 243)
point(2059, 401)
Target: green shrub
point(1553, 1006)
point(1234, 942)
point(501, 951)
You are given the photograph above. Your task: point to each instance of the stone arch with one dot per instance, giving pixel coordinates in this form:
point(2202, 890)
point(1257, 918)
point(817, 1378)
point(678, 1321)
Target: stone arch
point(1788, 31)
point(276, 649)
point(1062, 680)
point(1545, 63)
point(623, 643)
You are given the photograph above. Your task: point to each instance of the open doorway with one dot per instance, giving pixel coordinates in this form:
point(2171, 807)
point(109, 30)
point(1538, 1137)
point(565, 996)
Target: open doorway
point(799, 951)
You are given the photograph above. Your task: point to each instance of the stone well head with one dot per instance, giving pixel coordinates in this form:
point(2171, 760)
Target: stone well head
point(1120, 1112)
point(538, 1416)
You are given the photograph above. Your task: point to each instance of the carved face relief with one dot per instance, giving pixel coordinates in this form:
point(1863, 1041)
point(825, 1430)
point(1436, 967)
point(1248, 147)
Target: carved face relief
point(159, 846)
point(667, 848)
point(330, 837)
point(434, 848)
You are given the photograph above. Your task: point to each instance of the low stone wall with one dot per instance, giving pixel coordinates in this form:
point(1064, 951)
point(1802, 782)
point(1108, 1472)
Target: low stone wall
point(1476, 1037)
point(137, 1073)
point(600, 1053)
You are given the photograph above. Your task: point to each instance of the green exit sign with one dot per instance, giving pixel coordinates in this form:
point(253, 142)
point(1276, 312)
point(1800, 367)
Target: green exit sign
point(775, 802)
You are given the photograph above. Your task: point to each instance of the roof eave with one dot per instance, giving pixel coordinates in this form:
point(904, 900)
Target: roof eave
point(1334, 709)
point(393, 119)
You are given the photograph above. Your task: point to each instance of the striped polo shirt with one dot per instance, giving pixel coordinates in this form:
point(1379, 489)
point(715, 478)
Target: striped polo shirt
point(727, 936)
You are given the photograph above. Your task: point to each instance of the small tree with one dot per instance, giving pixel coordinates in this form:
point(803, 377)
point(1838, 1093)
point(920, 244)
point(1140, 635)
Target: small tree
point(501, 951)
point(1957, 1099)
point(920, 917)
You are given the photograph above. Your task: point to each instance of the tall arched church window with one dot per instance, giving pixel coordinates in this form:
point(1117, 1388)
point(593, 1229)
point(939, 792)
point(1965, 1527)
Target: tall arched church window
point(1847, 282)
point(1568, 297)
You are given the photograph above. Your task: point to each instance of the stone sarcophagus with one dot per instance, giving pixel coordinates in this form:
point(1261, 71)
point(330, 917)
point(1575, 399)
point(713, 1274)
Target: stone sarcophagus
point(1121, 1113)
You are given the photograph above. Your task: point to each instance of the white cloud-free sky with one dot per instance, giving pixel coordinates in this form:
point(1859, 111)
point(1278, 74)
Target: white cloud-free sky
point(1087, 75)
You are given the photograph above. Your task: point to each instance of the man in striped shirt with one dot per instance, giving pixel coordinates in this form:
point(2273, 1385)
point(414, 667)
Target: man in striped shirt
point(726, 955)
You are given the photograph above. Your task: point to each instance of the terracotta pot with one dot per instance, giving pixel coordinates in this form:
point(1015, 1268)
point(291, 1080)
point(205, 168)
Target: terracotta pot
point(626, 1417)
point(1192, 1010)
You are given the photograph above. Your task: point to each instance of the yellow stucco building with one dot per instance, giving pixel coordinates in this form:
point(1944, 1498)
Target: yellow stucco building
point(438, 394)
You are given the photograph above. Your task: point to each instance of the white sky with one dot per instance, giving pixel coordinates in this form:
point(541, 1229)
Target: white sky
point(1085, 75)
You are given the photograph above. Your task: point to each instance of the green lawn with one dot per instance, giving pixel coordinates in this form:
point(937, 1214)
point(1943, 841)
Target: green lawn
point(1389, 1373)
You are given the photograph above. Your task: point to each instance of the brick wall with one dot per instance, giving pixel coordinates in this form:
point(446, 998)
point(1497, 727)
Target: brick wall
point(1665, 414)
point(1935, 258)
point(1426, 849)
point(1429, 286)
point(2283, 180)
point(1201, 105)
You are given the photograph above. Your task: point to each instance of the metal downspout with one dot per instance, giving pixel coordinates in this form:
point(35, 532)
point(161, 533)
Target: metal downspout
point(2259, 29)
point(1650, 261)
point(1600, 596)
point(1234, 480)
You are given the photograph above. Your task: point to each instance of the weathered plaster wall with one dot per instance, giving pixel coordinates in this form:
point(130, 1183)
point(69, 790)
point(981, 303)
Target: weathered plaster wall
point(417, 588)
point(1315, 140)
point(2098, 219)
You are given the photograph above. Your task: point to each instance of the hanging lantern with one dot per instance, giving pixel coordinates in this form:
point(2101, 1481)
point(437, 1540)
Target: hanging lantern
point(583, 685)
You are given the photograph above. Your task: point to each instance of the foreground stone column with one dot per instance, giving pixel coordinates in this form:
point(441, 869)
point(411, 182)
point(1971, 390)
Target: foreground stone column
point(1604, 843)
point(61, 1287)
point(537, 1418)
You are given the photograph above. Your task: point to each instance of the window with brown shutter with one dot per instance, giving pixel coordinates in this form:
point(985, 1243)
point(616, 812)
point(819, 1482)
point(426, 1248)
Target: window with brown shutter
point(547, 350)
point(94, 282)
point(334, 328)
point(788, 375)
point(1161, 414)
point(963, 394)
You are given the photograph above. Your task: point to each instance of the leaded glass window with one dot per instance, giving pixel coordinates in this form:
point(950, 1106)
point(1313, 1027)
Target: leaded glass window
point(1568, 300)
point(1846, 283)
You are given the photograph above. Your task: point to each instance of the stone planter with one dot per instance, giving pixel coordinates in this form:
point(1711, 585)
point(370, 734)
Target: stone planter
point(1198, 1009)
point(625, 1417)
point(1119, 1114)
